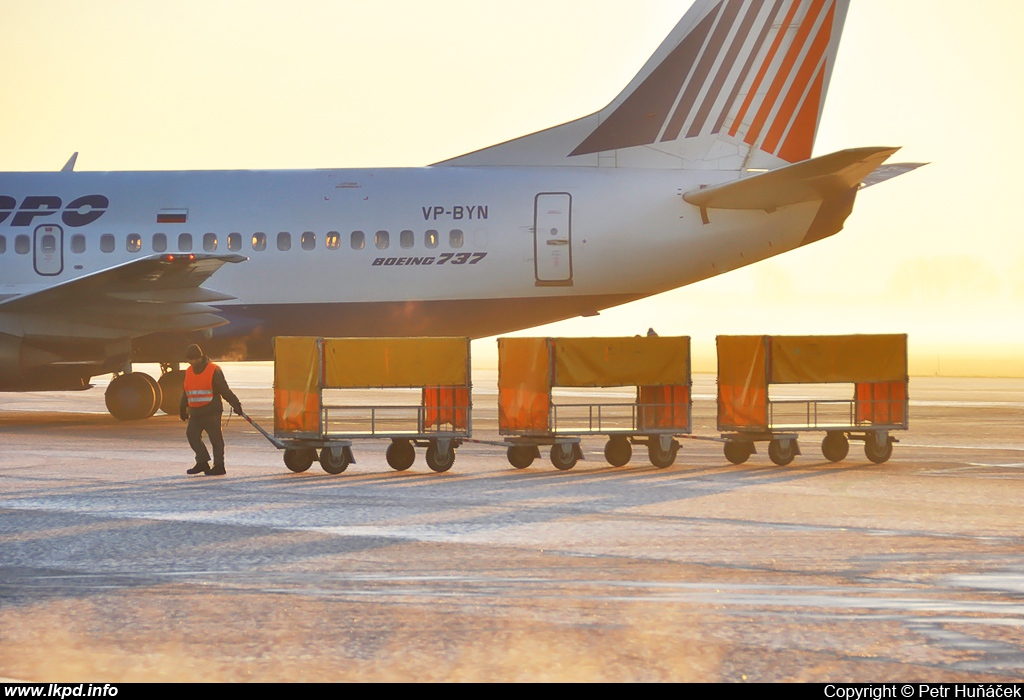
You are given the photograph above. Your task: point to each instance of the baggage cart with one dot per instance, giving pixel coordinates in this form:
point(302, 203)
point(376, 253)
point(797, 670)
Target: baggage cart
point(658, 368)
point(749, 366)
point(309, 428)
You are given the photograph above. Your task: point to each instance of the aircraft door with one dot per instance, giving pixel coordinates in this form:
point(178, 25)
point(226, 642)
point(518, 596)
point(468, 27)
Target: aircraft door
point(552, 239)
point(48, 250)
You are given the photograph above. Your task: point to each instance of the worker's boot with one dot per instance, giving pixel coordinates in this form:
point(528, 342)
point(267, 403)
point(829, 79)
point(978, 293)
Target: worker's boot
point(198, 469)
point(218, 470)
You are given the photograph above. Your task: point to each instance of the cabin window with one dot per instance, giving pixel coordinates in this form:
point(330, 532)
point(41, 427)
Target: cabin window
point(159, 242)
point(455, 238)
point(185, 242)
point(107, 243)
point(210, 242)
point(382, 239)
point(259, 241)
point(284, 241)
point(308, 240)
point(332, 240)
point(3, 244)
point(431, 238)
point(358, 240)
point(133, 243)
point(234, 241)
point(407, 239)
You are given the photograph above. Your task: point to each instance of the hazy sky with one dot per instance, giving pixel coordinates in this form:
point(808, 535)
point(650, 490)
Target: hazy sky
point(938, 253)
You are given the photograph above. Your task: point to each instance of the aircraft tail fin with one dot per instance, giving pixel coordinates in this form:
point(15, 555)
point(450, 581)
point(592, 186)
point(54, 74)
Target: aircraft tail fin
point(737, 84)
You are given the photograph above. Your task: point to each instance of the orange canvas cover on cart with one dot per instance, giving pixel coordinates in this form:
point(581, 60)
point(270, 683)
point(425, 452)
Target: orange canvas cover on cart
point(631, 361)
point(374, 363)
point(446, 405)
point(663, 407)
point(742, 382)
point(524, 384)
point(828, 359)
point(881, 403)
point(296, 385)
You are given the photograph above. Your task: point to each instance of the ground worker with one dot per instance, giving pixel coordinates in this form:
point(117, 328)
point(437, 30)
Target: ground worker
point(202, 408)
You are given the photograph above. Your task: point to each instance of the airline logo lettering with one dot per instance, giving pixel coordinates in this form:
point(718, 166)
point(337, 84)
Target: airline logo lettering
point(754, 71)
point(80, 212)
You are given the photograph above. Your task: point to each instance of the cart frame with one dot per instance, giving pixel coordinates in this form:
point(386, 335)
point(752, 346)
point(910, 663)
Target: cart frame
point(651, 423)
point(875, 365)
point(315, 432)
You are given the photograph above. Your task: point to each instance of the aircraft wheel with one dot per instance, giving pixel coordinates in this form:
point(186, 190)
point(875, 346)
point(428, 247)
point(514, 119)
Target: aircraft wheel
point(132, 396)
point(878, 454)
point(662, 459)
point(172, 386)
point(331, 463)
point(299, 459)
point(835, 447)
point(438, 462)
point(520, 456)
point(782, 452)
point(563, 457)
point(618, 451)
point(400, 455)
point(738, 452)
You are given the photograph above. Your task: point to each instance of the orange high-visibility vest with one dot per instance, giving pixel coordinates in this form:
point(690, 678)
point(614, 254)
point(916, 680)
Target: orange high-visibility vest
point(199, 387)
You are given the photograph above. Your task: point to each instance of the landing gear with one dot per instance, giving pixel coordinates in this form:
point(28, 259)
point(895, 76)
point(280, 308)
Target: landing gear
point(133, 396)
point(835, 447)
point(400, 455)
point(738, 452)
point(438, 459)
point(662, 455)
point(618, 451)
point(782, 452)
point(521, 456)
point(878, 447)
point(172, 386)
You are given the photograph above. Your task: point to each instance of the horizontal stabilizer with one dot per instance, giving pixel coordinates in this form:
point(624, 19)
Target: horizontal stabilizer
point(808, 181)
point(888, 172)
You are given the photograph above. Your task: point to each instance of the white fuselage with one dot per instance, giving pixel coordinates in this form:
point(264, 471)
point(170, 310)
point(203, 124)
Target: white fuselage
point(421, 251)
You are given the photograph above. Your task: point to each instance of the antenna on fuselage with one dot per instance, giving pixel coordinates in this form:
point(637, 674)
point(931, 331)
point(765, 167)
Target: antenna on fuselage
point(70, 165)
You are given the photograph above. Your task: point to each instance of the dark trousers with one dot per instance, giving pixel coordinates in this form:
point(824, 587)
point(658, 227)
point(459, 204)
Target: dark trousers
point(194, 432)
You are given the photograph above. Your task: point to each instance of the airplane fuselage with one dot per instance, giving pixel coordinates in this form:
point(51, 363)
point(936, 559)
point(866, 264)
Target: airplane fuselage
point(471, 251)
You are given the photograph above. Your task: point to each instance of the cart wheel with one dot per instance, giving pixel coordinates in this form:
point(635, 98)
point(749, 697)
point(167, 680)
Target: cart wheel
point(299, 460)
point(401, 454)
point(662, 459)
point(618, 451)
point(738, 452)
point(438, 462)
point(520, 456)
point(333, 464)
point(835, 447)
point(563, 459)
point(782, 452)
point(878, 453)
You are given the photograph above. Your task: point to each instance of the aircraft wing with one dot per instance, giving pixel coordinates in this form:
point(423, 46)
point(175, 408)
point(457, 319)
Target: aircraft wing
point(811, 180)
point(151, 294)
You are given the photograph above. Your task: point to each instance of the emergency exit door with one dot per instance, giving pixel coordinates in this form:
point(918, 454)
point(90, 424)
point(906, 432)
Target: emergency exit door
point(552, 238)
point(48, 250)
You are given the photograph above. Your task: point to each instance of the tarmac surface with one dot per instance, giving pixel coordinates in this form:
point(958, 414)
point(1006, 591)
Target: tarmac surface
point(116, 566)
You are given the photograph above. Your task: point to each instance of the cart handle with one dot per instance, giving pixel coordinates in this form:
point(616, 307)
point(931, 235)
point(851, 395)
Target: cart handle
point(273, 440)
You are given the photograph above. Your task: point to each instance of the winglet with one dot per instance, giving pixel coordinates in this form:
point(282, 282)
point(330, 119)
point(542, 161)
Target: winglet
point(70, 165)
